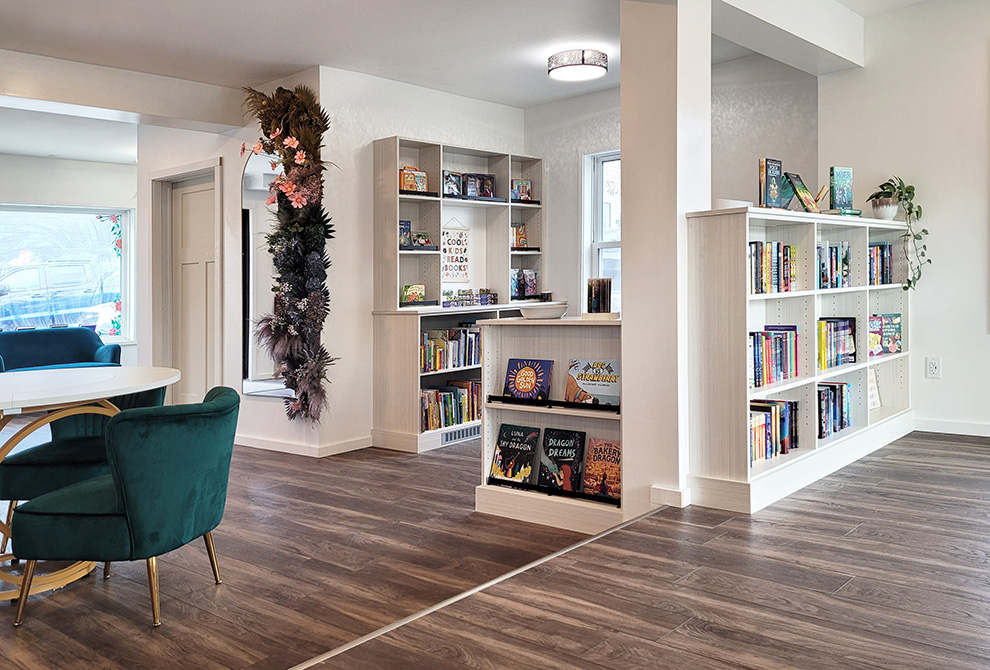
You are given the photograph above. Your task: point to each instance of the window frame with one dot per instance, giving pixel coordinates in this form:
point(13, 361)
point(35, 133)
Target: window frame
point(594, 223)
point(127, 256)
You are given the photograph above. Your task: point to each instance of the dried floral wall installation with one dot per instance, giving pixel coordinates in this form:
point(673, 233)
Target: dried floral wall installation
point(292, 125)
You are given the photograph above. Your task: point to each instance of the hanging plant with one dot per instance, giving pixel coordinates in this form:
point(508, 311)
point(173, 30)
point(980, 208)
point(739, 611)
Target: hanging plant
point(893, 193)
point(292, 126)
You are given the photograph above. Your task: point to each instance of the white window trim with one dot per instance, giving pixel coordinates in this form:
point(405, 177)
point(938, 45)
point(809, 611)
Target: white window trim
point(127, 259)
point(592, 197)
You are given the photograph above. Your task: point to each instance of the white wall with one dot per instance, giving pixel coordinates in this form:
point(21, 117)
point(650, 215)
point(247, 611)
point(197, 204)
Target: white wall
point(562, 133)
point(761, 109)
point(363, 108)
point(919, 109)
point(29, 180)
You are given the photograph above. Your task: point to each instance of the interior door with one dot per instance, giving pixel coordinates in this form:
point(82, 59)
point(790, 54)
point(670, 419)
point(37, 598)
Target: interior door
point(194, 258)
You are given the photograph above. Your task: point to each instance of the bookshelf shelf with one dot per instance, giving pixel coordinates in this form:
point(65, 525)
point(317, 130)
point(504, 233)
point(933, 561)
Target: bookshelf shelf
point(486, 228)
point(558, 340)
point(721, 314)
point(554, 411)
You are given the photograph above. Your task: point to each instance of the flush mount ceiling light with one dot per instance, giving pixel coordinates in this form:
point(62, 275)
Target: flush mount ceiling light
point(577, 65)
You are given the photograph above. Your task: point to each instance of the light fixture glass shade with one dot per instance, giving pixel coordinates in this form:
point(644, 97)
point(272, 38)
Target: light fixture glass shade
point(577, 65)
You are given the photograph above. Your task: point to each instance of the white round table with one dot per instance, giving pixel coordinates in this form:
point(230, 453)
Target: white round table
point(58, 393)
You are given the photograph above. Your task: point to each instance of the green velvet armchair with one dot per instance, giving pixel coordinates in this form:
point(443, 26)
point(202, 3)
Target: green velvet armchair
point(167, 485)
point(76, 452)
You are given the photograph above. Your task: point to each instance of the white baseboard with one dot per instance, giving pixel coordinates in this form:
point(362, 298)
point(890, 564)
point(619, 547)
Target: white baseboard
point(672, 497)
point(952, 427)
point(311, 450)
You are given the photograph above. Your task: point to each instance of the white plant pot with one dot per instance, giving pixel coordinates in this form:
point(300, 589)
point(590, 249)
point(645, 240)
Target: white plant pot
point(885, 208)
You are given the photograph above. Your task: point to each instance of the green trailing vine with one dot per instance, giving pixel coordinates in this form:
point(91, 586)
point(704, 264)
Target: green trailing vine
point(915, 250)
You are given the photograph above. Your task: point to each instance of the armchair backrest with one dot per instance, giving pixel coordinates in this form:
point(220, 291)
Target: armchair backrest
point(170, 467)
point(54, 346)
point(94, 425)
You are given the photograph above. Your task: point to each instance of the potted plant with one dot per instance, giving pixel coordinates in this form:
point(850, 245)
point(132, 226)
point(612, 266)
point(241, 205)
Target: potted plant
point(894, 194)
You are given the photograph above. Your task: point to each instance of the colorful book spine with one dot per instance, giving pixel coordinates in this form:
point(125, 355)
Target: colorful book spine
point(772, 355)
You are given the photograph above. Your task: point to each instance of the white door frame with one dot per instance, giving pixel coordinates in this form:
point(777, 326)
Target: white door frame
point(161, 260)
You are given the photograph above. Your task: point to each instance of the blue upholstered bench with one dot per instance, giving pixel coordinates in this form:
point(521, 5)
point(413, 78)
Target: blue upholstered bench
point(55, 348)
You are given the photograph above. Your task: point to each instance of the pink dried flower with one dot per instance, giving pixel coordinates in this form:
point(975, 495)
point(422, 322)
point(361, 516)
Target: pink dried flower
point(274, 165)
point(243, 147)
point(257, 148)
point(275, 134)
point(298, 200)
point(286, 187)
point(300, 157)
point(271, 200)
point(291, 142)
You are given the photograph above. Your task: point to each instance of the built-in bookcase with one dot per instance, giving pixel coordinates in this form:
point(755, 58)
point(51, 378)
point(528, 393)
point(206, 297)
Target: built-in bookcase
point(722, 313)
point(486, 223)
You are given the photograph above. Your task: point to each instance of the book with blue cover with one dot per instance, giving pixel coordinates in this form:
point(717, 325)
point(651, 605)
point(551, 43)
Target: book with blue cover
point(528, 378)
point(840, 188)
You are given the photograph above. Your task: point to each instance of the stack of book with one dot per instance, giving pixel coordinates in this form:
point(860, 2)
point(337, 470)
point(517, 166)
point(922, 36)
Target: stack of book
point(773, 428)
point(833, 407)
point(833, 264)
point(445, 406)
point(449, 348)
point(772, 355)
point(772, 267)
point(880, 264)
point(836, 341)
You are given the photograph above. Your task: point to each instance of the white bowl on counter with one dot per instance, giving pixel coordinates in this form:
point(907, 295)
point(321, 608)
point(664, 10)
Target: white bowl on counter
point(543, 310)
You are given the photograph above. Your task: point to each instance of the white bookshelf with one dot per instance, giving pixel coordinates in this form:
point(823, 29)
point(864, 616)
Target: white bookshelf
point(547, 339)
point(721, 314)
point(397, 376)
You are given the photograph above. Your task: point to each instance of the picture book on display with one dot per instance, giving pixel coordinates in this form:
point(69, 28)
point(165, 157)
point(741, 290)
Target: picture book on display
point(515, 453)
point(561, 459)
point(874, 335)
point(770, 185)
point(528, 378)
point(890, 333)
point(802, 192)
point(593, 382)
point(603, 469)
point(840, 188)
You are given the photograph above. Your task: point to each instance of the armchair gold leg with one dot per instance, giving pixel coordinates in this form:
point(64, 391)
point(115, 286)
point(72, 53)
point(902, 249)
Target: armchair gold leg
point(106, 570)
point(211, 550)
point(153, 584)
point(25, 589)
point(10, 517)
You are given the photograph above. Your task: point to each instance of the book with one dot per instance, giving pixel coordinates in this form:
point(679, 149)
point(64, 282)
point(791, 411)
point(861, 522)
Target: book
point(840, 188)
point(515, 283)
point(515, 453)
point(844, 212)
point(872, 390)
point(770, 174)
point(890, 333)
point(451, 183)
point(405, 234)
point(802, 192)
point(528, 378)
point(786, 192)
point(413, 293)
point(874, 333)
point(561, 460)
point(518, 238)
point(603, 469)
point(530, 281)
point(522, 189)
point(593, 382)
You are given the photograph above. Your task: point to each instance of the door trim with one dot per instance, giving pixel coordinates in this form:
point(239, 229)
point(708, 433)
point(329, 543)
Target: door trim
point(161, 262)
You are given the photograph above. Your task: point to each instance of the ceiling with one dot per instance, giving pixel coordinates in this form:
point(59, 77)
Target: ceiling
point(489, 50)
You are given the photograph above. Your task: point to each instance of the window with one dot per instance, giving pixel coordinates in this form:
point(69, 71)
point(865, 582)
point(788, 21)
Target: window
point(603, 220)
point(63, 266)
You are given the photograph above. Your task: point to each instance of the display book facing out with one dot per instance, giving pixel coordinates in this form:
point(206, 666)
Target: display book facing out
point(556, 382)
point(454, 242)
point(785, 372)
point(434, 257)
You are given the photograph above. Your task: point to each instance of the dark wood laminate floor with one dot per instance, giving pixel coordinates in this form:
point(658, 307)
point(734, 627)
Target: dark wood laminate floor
point(314, 553)
point(885, 564)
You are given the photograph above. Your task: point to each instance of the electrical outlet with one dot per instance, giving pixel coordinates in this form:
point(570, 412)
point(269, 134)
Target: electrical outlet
point(933, 367)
